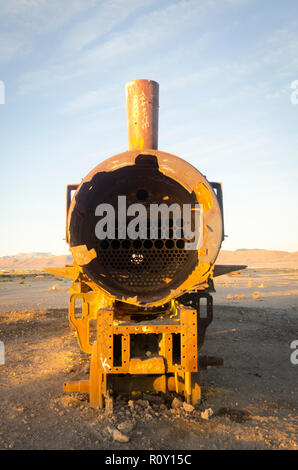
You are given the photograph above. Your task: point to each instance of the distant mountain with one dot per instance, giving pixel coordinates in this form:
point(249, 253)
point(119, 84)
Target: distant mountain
point(249, 249)
point(29, 255)
point(256, 258)
point(34, 261)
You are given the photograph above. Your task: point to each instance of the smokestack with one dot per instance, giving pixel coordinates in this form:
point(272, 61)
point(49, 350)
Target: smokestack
point(142, 103)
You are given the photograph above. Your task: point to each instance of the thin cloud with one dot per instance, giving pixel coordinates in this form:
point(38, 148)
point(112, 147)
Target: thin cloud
point(232, 149)
point(91, 99)
point(107, 17)
point(22, 22)
point(144, 33)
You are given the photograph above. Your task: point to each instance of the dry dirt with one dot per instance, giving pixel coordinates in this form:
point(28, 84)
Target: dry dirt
point(254, 396)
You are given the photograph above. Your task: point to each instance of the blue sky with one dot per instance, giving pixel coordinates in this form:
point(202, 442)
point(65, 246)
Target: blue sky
point(225, 69)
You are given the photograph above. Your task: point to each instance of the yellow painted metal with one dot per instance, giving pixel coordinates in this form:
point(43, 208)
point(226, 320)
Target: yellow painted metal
point(70, 272)
point(81, 386)
point(195, 390)
point(189, 347)
point(193, 181)
point(142, 383)
point(178, 376)
point(154, 365)
point(142, 99)
point(95, 382)
point(162, 372)
point(81, 320)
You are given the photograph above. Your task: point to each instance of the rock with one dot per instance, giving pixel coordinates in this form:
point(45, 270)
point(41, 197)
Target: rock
point(67, 400)
point(126, 426)
point(239, 416)
point(19, 409)
point(206, 414)
point(109, 405)
point(143, 403)
point(153, 399)
point(188, 407)
point(54, 287)
point(119, 437)
point(176, 403)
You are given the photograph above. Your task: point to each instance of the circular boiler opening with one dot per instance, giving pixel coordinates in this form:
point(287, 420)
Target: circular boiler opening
point(155, 260)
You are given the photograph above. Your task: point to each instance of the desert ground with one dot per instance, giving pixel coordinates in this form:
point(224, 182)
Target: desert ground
point(253, 396)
